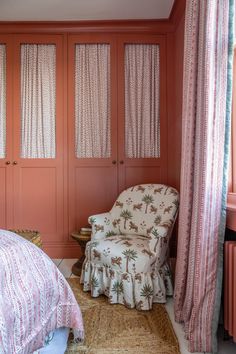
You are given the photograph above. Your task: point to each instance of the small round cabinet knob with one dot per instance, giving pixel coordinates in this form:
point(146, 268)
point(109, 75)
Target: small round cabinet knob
point(14, 162)
point(7, 162)
point(113, 162)
point(121, 162)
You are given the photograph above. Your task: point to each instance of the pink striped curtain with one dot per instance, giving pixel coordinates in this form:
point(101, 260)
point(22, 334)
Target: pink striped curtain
point(201, 219)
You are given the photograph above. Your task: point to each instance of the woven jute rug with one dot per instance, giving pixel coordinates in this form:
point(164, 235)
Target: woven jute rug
point(114, 329)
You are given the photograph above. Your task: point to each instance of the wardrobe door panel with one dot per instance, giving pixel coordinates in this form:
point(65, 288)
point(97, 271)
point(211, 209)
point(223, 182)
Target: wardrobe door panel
point(5, 131)
point(142, 113)
point(94, 192)
point(37, 200)
point(3, 119)
point(139, 175)
point(92, 126)
point(3, 94)
point(38, 135)
point(3, 198)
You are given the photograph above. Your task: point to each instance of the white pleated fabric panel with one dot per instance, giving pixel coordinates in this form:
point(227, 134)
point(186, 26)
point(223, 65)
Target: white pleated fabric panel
point(142, 85)
point(38, 100)
point(2, 101)
point(92, 101)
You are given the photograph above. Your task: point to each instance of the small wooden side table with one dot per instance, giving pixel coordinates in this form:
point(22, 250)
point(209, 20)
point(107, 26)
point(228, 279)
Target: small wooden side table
point(82, 241)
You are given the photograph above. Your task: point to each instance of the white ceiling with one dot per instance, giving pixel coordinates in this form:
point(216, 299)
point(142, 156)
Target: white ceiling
point(74, 10)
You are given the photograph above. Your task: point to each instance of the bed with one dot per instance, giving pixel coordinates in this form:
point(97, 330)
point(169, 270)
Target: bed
point(37, 305)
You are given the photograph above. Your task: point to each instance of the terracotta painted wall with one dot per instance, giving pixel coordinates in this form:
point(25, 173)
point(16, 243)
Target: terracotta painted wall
point(179, 46)
point(175, 121)
point(174, 93)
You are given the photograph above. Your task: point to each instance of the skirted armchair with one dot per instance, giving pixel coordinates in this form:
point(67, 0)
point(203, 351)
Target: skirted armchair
point(127, 257)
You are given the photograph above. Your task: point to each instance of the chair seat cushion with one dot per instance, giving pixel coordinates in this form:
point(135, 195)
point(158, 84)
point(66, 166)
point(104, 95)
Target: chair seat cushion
point(121, 252)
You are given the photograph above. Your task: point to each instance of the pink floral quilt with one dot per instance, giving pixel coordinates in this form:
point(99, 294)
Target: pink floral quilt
point(35, 298)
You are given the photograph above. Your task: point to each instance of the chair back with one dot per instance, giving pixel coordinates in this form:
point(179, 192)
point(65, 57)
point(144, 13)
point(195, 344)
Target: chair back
point(145, 209)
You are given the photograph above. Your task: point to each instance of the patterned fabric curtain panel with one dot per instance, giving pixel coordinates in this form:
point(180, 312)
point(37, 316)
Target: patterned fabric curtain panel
point(92, 101)
point(2, 101)
point(207, 96)
point(142, 101)
point(38, 100)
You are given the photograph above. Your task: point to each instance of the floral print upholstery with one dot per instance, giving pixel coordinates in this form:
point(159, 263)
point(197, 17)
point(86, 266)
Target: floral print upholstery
point(127, 257)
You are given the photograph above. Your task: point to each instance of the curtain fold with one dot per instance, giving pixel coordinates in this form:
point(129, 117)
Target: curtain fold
point(38, 100)
point(92, 101)
point(2, 101)
point(203, 170)
point(142, 101)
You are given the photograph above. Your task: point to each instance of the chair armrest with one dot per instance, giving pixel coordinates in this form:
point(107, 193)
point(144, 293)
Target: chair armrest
point(162, 231)
point(101, 226)
point(156, 235)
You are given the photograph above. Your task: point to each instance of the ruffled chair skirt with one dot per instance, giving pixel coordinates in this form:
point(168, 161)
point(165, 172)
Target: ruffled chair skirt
point(138, 290)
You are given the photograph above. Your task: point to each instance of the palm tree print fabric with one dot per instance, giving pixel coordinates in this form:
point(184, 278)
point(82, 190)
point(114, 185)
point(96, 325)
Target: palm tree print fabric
point(127, 257)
